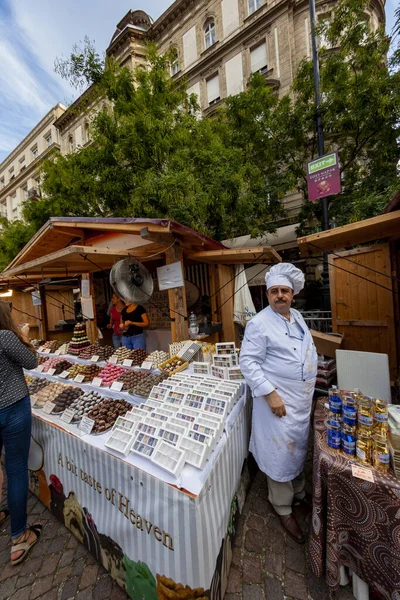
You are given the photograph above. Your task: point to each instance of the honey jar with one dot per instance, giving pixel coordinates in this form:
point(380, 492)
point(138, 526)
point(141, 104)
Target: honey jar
point(380, 417)
point(365, 419)
point(334, 434)
point(364, 449)
point(348, 440)
point(349, 409)
point(380, 453)
point(335, 402)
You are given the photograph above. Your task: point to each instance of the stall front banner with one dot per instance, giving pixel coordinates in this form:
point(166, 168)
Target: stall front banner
point(355, 523)
point(149, 535)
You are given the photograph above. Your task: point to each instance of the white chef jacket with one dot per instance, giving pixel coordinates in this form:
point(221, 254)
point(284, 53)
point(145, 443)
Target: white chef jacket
point(280, 355)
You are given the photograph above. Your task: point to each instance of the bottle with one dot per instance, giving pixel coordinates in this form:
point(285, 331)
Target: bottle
point(193, 326)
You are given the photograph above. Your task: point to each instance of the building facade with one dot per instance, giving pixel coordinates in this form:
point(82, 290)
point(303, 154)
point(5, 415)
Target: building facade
point(19, 172)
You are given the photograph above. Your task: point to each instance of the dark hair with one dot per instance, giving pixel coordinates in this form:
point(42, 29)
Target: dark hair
point(7, 323)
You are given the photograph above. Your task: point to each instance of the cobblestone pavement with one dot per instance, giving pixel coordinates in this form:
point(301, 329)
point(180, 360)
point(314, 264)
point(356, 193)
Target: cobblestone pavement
point(267, 565)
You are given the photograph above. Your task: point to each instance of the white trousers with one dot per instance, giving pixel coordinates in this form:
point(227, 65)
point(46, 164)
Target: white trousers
point(282, 493)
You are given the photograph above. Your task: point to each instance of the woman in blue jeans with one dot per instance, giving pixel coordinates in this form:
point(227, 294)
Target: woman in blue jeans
point(133, 320)
point(16, 353)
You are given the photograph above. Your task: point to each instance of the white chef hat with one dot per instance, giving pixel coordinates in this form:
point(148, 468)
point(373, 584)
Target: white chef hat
point(285, 274)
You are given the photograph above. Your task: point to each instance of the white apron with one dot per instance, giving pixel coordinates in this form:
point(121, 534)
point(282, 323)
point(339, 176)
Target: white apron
point(274, 357)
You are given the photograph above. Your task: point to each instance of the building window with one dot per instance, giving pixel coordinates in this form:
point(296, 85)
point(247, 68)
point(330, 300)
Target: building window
point(25, 192)
point(11, 173)
point(254, 5)
point(213, 90)
point(209, 33)
point(14, 204)
point(174, 68)
point(35, 151)
point(70, 143)
point(48, 139)
point(87, 133)
point(22, 164)
point(2, 183)
point(258, 57)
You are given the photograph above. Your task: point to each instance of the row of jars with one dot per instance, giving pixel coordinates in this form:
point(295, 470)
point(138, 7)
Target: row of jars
point(358, 426)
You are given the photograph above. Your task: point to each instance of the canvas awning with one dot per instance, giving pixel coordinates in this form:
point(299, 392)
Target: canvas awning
point(377, 228)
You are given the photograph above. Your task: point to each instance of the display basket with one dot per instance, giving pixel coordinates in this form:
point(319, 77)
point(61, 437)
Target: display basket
point(181, 367)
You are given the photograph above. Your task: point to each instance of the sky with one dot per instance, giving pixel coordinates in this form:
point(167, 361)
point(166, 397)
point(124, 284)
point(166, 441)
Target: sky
point(34, 33)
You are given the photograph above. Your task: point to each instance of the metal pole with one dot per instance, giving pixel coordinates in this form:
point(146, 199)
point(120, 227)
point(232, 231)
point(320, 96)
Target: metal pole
point(320, 129)
point(326, 300)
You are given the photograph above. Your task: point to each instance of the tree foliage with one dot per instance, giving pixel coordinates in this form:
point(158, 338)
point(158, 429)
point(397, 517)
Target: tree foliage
point(151, 156)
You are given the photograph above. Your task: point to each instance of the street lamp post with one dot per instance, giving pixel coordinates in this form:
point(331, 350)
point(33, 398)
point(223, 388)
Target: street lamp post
point(321, 151)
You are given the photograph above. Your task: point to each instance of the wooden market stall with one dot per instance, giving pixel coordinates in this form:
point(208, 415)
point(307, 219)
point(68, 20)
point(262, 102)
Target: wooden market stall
point(76, 248)
point(364, 267)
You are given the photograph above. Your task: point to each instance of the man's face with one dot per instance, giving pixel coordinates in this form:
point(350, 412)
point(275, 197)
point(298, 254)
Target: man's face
point(280, 298)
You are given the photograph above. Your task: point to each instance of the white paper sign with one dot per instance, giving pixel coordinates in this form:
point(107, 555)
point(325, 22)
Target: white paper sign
point(40, 349)
point(46, 351)
point(96, 381)
point(51, 372)
point(95, 358)
point(79, 378)
point(85, 287)
point(67, 415)
point(86, 425)
point(58, 352)
point(112, 360)
point(33, 401)
point(362, 473)
point(170, 276)
point(117, 386)
point(64, 374)
point(147, 365)
point(127, 362)
point(48, 407)
point(39, 369)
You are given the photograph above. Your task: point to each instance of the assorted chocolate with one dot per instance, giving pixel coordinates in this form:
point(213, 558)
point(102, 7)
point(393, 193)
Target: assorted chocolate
point(144, 385)
point(37, 384)
point(84, 404)
point(66, 398)
point(103, 352)
point(109, 374)
point(106, 413)
point(157, 358)
point(87, 371)
point(79, 340)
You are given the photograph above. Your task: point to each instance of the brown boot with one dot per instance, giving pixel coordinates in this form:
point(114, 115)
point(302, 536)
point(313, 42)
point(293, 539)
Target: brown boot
point(292, 528)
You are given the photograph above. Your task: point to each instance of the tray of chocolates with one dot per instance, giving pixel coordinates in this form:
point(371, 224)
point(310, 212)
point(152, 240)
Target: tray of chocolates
point(109, 374)
point(103, 352)
point(79, 340)
point(106, 413)
point(87, 371)
point(64, 400)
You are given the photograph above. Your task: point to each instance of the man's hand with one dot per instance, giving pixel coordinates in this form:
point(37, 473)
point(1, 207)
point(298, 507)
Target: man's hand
point(276, 404)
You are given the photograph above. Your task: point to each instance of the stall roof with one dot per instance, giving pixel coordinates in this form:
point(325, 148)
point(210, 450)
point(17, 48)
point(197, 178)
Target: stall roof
point(377, 228)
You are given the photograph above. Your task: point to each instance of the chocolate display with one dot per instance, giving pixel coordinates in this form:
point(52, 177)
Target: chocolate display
point(37, 384)
point(54, 363)
point(109, 374)
point(173, 365)
point(84, 404)
point(103, 352)
point(106, 413)
point(88, 371)
point(66, 398)
point(48, 393)
point(144, 385)
point(157, 358)
point(79, 340)
point(131, 378)
point(51, 345)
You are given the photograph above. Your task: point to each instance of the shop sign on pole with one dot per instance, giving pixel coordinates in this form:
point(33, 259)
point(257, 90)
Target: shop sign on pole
point(323, 177)
point(170, 276)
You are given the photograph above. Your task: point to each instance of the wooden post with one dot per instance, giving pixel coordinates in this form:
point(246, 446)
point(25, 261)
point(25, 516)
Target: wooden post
point(44, 327)
point(215, 316)
point(91, 324)
point(177, 299)
point(226, 303)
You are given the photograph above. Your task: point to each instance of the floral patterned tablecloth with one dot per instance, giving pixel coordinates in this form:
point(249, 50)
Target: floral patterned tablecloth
point(355, 523)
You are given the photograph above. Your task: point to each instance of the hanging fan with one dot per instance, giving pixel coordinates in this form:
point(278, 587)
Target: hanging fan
point(131, 281)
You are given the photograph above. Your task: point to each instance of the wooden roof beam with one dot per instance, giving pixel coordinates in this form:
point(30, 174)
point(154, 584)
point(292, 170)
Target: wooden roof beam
point(159, 238)
point(260, 254)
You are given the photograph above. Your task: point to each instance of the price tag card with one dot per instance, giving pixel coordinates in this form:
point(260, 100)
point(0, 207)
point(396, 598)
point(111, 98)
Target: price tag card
point(96, 381)
point(64, 374)
point(363, 473)
point(51, 372)
point(40, 349)
point(127, 362)
point(67, 415)
point(117, 386)
point(112, 360)
point(39, 369)
point(95, 358)
point(48, 407)
point(86, 425)
point(79, 378)
point(147, 365)
point(46, 351)
point(33, 401)
point(58, 352)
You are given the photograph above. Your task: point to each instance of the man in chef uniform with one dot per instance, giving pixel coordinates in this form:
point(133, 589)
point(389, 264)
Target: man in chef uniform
point(279, 361)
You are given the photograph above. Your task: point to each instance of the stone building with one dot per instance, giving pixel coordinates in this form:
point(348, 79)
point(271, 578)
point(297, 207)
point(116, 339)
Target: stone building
point(19, 172)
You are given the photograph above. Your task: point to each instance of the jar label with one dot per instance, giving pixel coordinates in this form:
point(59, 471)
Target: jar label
point(363, 420)
point(381, 417)
point(360, 454)
point(335, 406)
point(383, 458)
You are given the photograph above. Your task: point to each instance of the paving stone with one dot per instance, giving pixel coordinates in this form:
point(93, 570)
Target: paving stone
point(50, 595)
point(22, 594)
point(275, 540)
point(317, 587)
point(119, 594)
point(86, 594)
point(49, 531)
point(31, 565)
point(7, 587)
point(41, 586)
point(9, 570)
point(254, 541)
point(72, 543)
point(57, 544)
point(296, 559)
point(89, 576)
point(295, 585)
point(49, 565)
point(234, 581)
point(251, 569)
point(77, 567)
point(102, 590)
point(62, 575)
point(69, 588)
point(258, 523)
point(273, 589)
point(25, 580)
point(233, 597)
point(273, 563)
point(262, 508)
point(237, 557)
point(90, 560)
point(67, 557)
point(252, 592)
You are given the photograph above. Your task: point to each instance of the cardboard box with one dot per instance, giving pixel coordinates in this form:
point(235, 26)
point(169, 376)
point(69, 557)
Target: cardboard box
point(327, 343)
